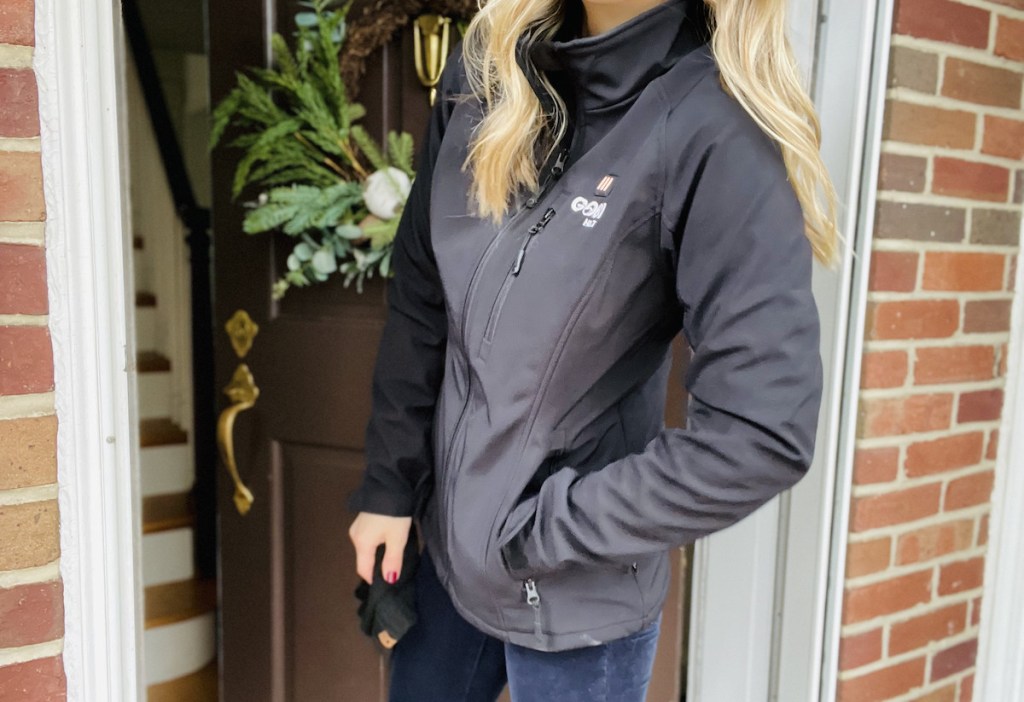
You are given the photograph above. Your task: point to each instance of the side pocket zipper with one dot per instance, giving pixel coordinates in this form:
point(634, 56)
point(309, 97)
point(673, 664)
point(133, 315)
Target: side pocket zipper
point(533, 599)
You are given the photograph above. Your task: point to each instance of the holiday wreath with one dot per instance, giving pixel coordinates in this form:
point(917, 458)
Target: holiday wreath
point(322, 179)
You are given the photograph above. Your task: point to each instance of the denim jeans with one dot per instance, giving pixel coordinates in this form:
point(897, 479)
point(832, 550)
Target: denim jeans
point(443, 658)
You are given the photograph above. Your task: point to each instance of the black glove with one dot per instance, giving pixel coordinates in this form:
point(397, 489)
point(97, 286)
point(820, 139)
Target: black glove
point(387, 611)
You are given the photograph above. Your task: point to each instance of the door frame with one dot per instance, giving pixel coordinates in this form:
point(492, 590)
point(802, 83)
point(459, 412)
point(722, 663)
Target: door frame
point(78, 59)
point(79, 64)
point(775, 580)
point(1001, 639)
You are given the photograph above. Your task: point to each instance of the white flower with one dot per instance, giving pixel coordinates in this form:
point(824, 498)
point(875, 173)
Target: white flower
point(385, 192)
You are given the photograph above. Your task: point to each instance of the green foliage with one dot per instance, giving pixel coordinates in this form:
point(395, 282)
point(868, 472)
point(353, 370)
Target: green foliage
point(303, 148)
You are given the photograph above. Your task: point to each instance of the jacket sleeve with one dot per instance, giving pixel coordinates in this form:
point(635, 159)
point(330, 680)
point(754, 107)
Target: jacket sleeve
point(742, 269)
point(410, 359)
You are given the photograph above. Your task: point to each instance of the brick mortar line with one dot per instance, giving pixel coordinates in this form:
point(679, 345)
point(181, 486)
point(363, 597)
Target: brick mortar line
point(857, 628)
point(901, 391)
point(899, 440)
point(25, 233)
point(921, 608)
point(982, 339)
point(945, 49)
point(954, 680)
point(940, 295)
point(936, 519)
point(941, 478)
point(994, 7)
point(924, 246)
point(993, 28)
point(23, 320)
point(27, 145)
point(973, 513)
point(30, 576)
point(897, 570)
point(15, 56)
point(993, 340)
point(901, 197)
point(27, 495)
point(24, 654)
point(927, 652)
point(974, 339)
point(26, 406)
point(903, 148)
point(915, 97)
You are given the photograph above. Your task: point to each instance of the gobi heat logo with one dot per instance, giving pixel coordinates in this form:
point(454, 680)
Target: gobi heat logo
point(591, 210)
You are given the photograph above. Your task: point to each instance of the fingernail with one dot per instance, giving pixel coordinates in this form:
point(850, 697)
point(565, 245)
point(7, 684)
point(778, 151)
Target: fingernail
point(392, 577)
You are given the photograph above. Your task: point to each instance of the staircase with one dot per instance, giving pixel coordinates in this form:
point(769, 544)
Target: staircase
point(179, 650)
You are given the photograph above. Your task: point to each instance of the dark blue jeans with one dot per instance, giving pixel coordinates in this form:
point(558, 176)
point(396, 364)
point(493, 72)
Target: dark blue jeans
point(443, 658)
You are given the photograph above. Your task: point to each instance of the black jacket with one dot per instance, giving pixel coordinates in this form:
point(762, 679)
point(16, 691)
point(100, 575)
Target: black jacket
point(519, 393)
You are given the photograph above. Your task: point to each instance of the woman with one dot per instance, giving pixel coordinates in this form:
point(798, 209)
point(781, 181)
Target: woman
point(597, 177)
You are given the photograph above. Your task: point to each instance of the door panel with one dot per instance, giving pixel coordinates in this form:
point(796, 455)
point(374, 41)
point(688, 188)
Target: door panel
point(288, 625)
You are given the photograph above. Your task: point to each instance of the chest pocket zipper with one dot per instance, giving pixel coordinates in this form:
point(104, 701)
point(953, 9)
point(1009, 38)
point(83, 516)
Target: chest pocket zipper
point(510, 276)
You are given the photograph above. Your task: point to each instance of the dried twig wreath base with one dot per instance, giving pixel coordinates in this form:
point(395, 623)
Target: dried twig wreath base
point(372, 24)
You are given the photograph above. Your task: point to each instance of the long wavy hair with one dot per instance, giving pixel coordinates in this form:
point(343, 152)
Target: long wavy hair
point(756, 65)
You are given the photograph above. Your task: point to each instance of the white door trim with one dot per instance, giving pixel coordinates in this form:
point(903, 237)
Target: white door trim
point(1000, 674)
point(765, 591)
point(77, 62)
point(876, 27)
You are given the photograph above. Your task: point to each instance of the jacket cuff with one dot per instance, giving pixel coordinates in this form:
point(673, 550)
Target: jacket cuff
point(390, 503)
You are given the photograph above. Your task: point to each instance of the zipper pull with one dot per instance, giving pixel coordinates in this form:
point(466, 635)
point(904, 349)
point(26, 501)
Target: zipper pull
point(556, 172)
point(559, 166)
point(532, 596)
point(533, 231)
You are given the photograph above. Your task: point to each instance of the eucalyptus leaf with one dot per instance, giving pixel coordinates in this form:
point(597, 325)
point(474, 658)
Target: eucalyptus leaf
point(324, 261)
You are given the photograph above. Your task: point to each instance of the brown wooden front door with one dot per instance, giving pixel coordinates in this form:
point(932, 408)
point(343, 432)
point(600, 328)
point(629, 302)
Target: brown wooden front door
point(288, 627)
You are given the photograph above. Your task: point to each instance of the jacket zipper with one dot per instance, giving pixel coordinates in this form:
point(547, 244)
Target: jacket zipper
point(513, 272)
point(533, 599)
point(555, 172)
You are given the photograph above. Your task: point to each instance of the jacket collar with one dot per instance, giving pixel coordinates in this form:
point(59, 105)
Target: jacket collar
point(610, 68)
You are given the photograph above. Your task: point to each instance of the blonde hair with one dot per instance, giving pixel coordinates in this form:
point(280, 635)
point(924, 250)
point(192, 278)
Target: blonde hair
point(756, 65)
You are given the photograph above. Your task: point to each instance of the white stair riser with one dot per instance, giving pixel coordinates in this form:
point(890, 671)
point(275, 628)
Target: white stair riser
point(167, 557)
point(167, 469)
point(146, 338)
point(179, 649)
point(155, 394)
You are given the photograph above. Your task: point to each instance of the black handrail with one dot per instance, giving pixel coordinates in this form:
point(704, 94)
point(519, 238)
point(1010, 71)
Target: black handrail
point(196, 220)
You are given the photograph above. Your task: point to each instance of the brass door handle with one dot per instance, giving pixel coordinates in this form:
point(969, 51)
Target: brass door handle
point(243, 393)
point(430, 40)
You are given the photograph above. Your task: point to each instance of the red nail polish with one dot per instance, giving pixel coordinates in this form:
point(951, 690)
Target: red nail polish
point(392, 577)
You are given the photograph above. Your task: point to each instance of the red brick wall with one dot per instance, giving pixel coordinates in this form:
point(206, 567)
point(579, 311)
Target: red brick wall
point(31, 594)
point(947, 236)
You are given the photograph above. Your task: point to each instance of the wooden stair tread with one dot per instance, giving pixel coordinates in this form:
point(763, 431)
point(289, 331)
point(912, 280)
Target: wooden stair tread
point(144, 299)
point(163, 512)
point(175, 602)
point(200, 686)
point(151, 362)
point(160, 432)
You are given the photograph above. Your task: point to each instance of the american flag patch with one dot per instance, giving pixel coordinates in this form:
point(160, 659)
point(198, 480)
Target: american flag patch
point(604, 186)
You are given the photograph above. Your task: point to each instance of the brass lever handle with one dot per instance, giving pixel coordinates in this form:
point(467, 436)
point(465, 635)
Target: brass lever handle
point(243, 393)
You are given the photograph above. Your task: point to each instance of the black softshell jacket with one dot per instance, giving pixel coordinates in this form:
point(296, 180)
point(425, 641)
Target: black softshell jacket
point(519, 392)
